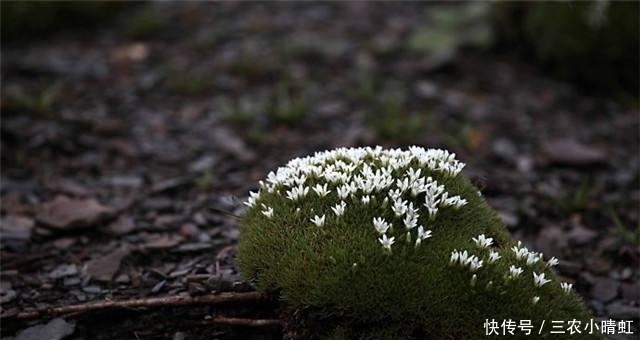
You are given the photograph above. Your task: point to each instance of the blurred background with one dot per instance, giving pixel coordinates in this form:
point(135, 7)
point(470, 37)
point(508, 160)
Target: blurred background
point(131, 132)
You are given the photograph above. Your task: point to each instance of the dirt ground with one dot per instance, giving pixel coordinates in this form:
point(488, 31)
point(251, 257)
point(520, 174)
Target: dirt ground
point(127, 151)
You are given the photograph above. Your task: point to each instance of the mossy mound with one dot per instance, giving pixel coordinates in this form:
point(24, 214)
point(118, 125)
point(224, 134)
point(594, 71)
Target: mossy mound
point(392, 244)
point(593, 43)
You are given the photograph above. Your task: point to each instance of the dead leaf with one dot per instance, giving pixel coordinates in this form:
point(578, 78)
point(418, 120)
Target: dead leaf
point(63, 212)
point(122, 225)
point(571, 152)
point(105, 267)
point(130, 53)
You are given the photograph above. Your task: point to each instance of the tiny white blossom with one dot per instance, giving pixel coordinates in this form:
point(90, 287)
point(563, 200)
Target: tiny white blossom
point(521, 252)
point(410, 221)
point(535, 300)
point(297, 192)
point(343, 191)
point(381, 225)
point(399, 207)
point(474, 278)
point(321, 190)
point(539, 280)
point(252, 199)
point(483, 241)
point(318, 220)
point(338, 209)
point(455, 256)
point(463, 257)
point(515, 271)
point(566, 287)
point(386, 242)
point(475, 263)
point(494, 256)
point(268, 211)
point(532, 258)
point(422, 235)
point(366, 199)
point(553, 262)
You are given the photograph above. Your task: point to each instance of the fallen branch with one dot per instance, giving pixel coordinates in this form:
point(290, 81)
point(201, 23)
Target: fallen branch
point(169, 301)
point(239, 322)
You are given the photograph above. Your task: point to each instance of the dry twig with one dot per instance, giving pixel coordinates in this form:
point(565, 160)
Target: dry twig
point(240, 322)
point(169, 301)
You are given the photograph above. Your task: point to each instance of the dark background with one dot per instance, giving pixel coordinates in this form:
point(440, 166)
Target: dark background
point(131, 133)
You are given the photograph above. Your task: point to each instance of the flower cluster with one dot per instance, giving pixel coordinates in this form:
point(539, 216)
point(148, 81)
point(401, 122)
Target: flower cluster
point(393, 178)
point(530, 258)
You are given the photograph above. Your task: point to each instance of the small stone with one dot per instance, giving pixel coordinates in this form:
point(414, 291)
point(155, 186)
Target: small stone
point(604, 289)
point(572, 152)
point(630, 291)
point(551, 241)
point(158, 286)
point(71, 281)
point(189, 230)
point(63, 270)
point(619, 311)
point(15, 227)
point(580, 235)
point(122, 225)
point(92, 289)
point(122, 279)
point(55, 329)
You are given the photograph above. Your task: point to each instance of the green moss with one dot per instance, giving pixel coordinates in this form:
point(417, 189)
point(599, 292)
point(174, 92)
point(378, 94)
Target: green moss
point(593, 43)
point(346, 280)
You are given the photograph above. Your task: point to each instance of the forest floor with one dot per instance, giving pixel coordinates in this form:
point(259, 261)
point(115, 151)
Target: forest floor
point(127, 152)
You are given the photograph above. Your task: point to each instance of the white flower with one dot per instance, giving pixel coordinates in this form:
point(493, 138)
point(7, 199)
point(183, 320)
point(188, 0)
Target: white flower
point(403, 185)
point(318, 220)
point(535, 300)
point(252, 199)
point(366, 199)
point(521, 252)
point(422, 235)
point(297, 192)
point(399, 207)
point(483, 241)
point(553, 262)
point(474, 278)
point(343, 191)
point(268, 211)
point(455, 256)
point(539, 280)
point(475, 263)
point(338, 209)
point(410, 221)
point(381, 225)
point(532, 258)
point(463, 257)
point(515, 271)
point(566, 287)
point(386, 242)
point(321, 190)
point(494, 256)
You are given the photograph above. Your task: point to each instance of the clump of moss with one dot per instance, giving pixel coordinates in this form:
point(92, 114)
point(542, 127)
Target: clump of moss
point(370, 243)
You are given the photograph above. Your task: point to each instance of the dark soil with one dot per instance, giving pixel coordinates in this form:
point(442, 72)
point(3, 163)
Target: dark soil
point(127, 152)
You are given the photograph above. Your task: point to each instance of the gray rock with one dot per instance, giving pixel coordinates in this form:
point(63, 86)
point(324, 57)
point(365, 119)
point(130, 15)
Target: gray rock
point(617, 310)
point(56, 329)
